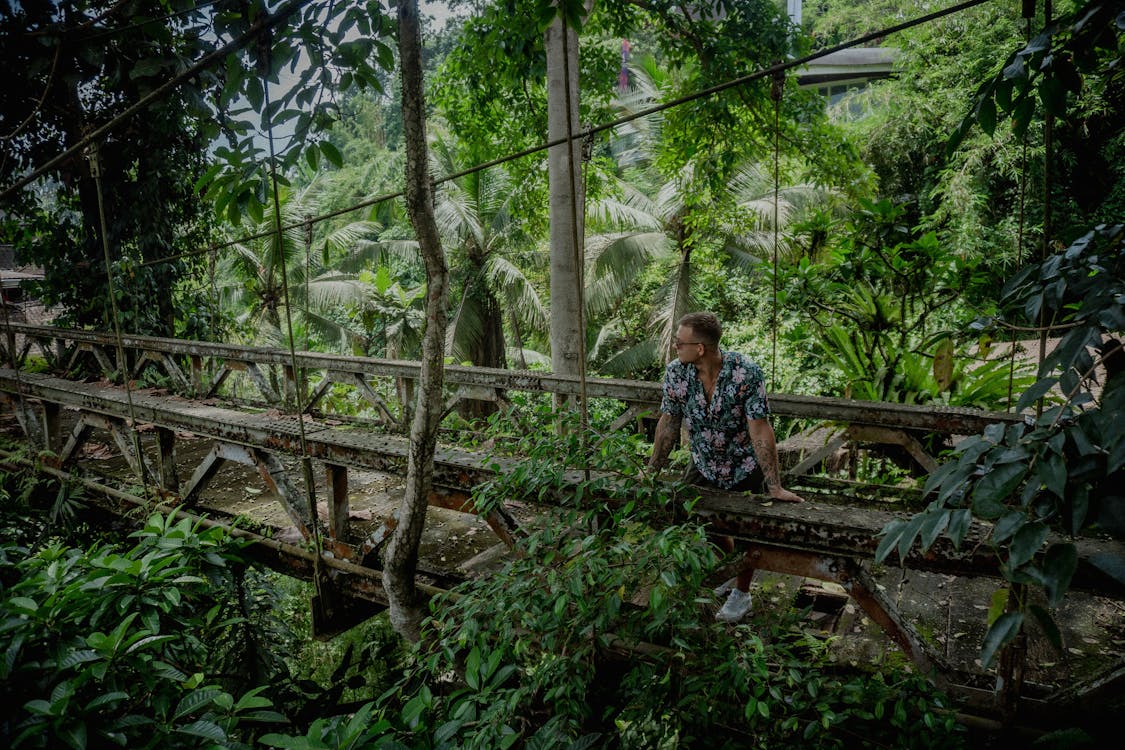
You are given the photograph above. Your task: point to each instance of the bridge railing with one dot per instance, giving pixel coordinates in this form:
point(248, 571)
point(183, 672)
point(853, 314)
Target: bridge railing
point(200, 369)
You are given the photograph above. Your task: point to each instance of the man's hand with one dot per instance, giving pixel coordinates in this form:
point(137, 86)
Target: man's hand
point(783, 495)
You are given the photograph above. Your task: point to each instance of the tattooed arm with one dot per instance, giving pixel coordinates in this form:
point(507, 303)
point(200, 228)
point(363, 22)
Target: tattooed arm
point(765, 450)
point(667, 435)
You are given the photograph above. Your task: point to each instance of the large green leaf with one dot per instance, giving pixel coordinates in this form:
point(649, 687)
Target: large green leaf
point(1051, 471)
point(1059, 564)
point(1036, 392)
point(998, 604)
point(76, 657)
point(1079, 507)
point(332, 153)
point(196, 700)
point(938, 477)
point(892, 532)
point(959, 523)
point(995, 487)
point(208, 730)
point(999, 634)
point(1050, 628)
point(909, 534)
point(1026, 543)
point(936, 522)
point(1008, 525)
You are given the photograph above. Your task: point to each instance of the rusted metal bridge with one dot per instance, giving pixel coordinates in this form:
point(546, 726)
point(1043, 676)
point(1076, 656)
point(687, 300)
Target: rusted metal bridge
point(235, 405)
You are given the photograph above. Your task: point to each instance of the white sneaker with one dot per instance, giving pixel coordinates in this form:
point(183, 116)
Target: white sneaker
point(725, 587)
point(736, 607)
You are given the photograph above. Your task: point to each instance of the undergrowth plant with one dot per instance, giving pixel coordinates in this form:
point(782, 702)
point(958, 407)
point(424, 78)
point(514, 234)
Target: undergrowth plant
point(880, 309)
point(1062, 470)
point(600, 633)
point(109, 647)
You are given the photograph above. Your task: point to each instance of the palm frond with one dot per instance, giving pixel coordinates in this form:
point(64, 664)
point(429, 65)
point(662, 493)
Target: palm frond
point(465, 327)
point(528, 356)
point(341, 241)
point(335, 332)
point(632, 360)
point(618, 214)
point(334, 290)
point(627, 254)
point(606, 334)
point(672, 300)
point(748, 260)
point(671, 195)
point(510, 283)
point(366, 254)
point(615, 264)
point(456, 214)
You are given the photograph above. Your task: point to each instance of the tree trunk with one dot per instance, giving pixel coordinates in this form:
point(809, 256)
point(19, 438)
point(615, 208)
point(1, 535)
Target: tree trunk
point(680, 296)
point(567, 204)
point(401, 560)
point(488, 350)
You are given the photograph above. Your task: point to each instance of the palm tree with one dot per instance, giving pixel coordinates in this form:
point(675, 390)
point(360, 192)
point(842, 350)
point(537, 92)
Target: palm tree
point(332, 290)
point(665, 221)
point(393, 311)
point(252, 281)
point(477, 226)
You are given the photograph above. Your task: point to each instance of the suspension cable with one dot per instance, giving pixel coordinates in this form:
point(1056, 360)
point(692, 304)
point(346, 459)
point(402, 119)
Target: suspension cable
point(775, 94)
point(298, 387)
point(122, 362)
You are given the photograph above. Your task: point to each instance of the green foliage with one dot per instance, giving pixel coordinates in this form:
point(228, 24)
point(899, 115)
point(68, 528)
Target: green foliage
point(305, 673)
point(354, 732)
point(881, 307)
point(678, 236)
point(1061, 470)
point(484, 236)
point(1067, 72)
point(346, 48)
point(1048, 69)
point(395, 314)
point(81, 64)
point(599, 634)
point(108, 647)
point(259, 278)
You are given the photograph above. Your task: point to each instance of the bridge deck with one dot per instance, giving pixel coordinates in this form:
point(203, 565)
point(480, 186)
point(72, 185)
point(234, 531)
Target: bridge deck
point(829, 538)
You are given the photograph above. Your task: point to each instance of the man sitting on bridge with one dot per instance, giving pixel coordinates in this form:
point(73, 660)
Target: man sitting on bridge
point(723, 396)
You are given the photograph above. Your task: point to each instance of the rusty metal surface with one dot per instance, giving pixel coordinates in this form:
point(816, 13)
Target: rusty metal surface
point(814, 526)
point(857, 583)
point(838, 529)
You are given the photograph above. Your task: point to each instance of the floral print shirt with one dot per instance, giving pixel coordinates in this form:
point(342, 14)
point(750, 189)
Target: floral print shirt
point(719, 436)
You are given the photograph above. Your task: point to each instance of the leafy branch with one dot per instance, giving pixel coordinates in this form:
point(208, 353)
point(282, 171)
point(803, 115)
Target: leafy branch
point(1059, 472)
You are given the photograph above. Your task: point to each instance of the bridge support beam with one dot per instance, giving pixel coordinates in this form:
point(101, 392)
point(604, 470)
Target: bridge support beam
point(338, 505)
point(859, 584)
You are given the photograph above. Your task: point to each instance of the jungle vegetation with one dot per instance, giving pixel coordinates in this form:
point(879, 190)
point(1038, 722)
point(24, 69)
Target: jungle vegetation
point(876, 245)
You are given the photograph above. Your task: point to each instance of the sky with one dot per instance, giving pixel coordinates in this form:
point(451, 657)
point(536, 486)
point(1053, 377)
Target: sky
point(435, 8)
